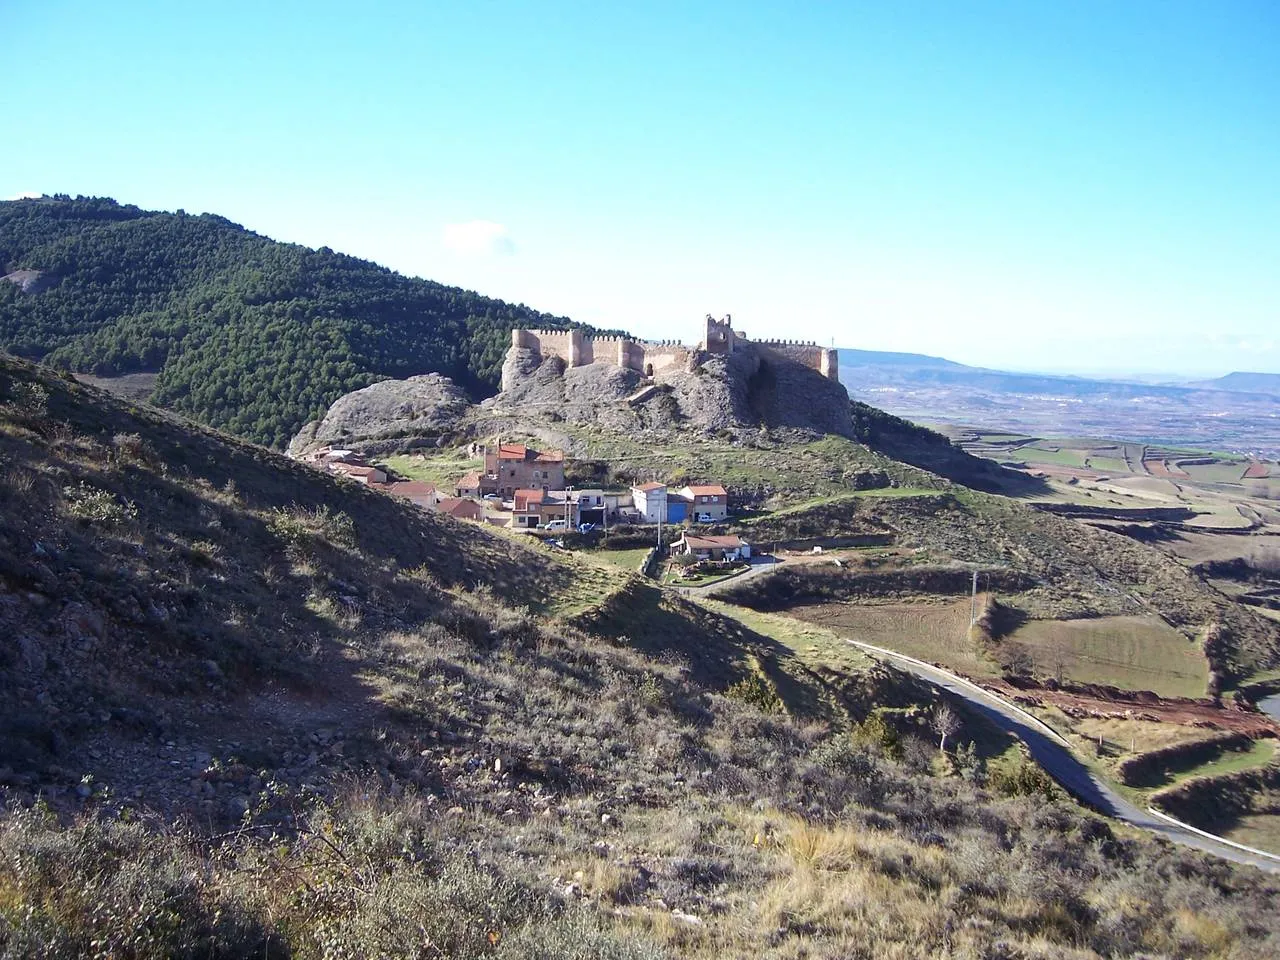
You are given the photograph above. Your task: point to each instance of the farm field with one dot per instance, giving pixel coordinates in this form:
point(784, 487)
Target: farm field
point(937, 632)
point(1133, 653)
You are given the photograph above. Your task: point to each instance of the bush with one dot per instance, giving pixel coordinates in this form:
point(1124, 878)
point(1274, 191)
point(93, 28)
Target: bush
point(753, 690)
point(97, 506)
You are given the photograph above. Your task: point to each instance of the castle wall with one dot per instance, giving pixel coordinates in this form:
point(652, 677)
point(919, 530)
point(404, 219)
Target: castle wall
point(664, 356)
point(577, 350)
point(821, 359)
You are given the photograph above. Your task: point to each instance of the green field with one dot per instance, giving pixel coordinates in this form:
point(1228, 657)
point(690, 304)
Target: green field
point(1133, 653)
point(627, 559)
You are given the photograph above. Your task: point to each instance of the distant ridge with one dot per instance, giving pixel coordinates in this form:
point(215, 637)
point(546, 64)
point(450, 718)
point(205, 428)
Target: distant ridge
point(1241, 382)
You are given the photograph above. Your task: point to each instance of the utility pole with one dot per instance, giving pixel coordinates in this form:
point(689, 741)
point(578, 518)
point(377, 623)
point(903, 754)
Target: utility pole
point(973, 601)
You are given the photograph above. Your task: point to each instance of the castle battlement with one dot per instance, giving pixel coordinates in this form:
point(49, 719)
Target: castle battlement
point(577, 349)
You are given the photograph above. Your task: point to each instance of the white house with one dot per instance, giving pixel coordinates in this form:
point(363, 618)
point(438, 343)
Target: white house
point(650, 499)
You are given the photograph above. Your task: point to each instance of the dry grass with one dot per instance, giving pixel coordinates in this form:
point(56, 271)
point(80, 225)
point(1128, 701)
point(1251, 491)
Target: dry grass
point(936, 632)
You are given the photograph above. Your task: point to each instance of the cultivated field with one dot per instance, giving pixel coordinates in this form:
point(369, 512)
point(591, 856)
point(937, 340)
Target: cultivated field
point(1133, 653)
point(937, 632)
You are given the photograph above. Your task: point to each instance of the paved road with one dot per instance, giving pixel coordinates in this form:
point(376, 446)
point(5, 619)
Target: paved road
point(1053, 753)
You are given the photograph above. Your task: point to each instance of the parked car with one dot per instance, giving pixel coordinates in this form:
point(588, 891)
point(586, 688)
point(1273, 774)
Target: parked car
point(557, 525)
point(705, 518)
point(492, 496)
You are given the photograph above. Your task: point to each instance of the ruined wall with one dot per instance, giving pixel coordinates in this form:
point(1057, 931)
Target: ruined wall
point(665, 356)
point(565, 344)
point(822, 359)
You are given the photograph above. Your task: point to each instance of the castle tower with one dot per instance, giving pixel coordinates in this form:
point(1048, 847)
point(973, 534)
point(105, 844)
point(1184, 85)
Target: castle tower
point(719, 337)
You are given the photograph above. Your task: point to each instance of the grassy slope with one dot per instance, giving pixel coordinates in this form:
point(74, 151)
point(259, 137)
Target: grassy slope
point(432, 762)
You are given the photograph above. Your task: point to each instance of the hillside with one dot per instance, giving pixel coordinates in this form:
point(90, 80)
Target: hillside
point(243, 333)
point(387, 733)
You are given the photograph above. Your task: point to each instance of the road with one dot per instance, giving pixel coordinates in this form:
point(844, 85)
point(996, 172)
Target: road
point(1054, 754)
point(759, 565)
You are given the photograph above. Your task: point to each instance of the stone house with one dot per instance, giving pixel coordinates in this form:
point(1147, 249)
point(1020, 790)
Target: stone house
point(514, 466)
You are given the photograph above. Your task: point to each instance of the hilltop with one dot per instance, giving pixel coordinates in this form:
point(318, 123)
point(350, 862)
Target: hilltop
point(387, 732)
point(239, 331)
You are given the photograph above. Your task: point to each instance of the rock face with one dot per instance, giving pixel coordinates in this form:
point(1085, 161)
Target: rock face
point(747, 389)
point(378, 417)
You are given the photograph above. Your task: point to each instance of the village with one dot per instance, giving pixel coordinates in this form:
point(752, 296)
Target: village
point(523, 489)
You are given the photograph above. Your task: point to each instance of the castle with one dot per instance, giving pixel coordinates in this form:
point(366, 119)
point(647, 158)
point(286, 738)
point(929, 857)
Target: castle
point(647, 357)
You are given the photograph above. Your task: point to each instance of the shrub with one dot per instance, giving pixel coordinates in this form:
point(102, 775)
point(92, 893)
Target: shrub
point(29, 397)
point(753, 690)
point(88, 503)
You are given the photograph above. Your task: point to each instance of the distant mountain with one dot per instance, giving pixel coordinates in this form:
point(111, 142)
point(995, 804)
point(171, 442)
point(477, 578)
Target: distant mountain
point(245, 333)
point(854, 358)
point(1240, 382)
point(1239, 411)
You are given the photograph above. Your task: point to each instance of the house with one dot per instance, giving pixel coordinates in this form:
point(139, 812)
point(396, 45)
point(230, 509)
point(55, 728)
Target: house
point(709, 499)
point(461, 508)
point(472, 485)
point(361, 474)
point(731, 547)
point(536, 508)
point(513, 466)
point(650, 501)
point(589, 505)
point(417, 492)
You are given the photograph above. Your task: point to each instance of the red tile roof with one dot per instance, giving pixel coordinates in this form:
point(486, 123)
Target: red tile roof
point(525, 498)
point(353, 470)
point(518, 451)
point(460, 507)
point(651, 486)
point(468, 480)
point(729, 542)
point(710, 490)
point(410, 488)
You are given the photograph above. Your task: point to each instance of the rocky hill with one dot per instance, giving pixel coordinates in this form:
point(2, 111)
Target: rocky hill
point(747, 389)
point(271, 714)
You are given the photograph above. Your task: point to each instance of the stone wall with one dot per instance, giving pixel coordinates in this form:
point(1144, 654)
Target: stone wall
point(647, 357)
point(578, 350)
point(823, 359)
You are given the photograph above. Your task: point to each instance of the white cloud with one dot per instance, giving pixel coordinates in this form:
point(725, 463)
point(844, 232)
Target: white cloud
point(26, 195)
point(478, 238)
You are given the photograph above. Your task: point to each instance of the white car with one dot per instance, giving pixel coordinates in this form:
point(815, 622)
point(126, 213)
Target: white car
point(556, 525)
point(705, 518)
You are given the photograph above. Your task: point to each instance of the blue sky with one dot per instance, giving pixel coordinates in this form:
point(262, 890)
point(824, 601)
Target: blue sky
point(1080, 186)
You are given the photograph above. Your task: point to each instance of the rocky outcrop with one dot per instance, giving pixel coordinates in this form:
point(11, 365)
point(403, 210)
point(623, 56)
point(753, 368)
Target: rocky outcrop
point(744, 390)
point(378, 418)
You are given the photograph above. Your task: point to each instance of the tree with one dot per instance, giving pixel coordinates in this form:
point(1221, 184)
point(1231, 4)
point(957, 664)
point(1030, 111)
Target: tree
point(945, 723)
